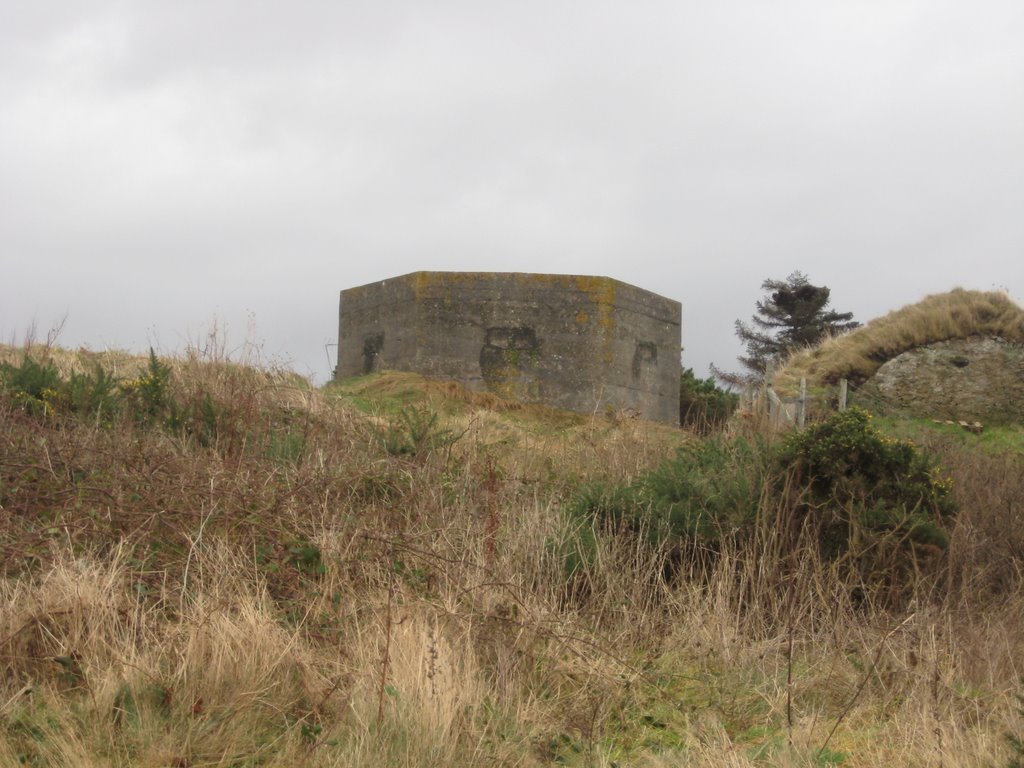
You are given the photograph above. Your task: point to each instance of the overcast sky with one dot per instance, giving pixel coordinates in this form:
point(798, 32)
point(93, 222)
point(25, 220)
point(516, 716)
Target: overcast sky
point(168, 165)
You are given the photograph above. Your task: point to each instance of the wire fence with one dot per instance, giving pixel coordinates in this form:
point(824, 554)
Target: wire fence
point(793, 412)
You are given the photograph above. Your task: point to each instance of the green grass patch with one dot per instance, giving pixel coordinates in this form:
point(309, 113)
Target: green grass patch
point(1005, 439)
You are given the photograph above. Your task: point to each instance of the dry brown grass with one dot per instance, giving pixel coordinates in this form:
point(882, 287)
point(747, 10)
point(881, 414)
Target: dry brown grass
point(122, 364)
point(858, 354)
point(156, 609)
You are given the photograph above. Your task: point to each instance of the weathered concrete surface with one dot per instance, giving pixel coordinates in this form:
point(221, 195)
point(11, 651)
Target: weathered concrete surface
point(574, 342)
point(973, 379)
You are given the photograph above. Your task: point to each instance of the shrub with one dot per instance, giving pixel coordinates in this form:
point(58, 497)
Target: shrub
point(702, 405)
point(38, 387)
point(854, 491)
point(95, 394)
point(710, 488)
point(860, 480)
point(150, 391)
point(32, 385)
point(415, 432)
point(709, 492)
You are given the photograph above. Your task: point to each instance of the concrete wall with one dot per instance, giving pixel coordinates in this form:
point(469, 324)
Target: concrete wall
point(570, 341)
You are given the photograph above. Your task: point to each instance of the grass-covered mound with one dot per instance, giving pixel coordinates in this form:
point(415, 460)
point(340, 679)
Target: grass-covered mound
point(857, 355)
point(209, 564)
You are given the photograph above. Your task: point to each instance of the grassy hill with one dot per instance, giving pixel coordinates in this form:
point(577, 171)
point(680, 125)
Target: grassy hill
point(857, 355)
point(208, 564)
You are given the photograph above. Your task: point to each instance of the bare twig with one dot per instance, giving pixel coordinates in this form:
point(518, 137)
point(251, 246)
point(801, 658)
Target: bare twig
point(864, 682)
point(387, 646)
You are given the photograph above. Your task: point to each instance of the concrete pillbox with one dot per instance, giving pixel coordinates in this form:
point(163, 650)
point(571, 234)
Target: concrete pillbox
point(571, 341)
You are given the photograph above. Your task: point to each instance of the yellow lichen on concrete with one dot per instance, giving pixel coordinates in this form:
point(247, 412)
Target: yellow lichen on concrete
point(602, 293)
point(607, 322)
point(421, 282)
point(600, 289)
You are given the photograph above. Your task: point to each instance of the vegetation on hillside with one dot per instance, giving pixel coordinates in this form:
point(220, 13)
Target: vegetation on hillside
point(233, 569)
point(855, 496)
point(703, 406)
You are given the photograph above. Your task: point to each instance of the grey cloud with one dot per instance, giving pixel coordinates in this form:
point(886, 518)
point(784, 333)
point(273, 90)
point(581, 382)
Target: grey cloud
point(254, 158)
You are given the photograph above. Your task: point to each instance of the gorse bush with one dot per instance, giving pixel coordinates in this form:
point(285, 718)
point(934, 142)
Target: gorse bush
point(852, 488)
point(414, 432)
point(709, 489)
point(149, 392)
point(703, 406)
point(707, 492)
point(37, 387)
point(95, 394)
point(859, 480)
point(33, 385)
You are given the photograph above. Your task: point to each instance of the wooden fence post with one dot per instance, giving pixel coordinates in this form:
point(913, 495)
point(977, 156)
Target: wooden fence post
point(842, 394)
point(801, 414)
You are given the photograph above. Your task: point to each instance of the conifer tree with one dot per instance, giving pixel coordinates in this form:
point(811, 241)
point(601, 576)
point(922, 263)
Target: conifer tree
point(793, 314)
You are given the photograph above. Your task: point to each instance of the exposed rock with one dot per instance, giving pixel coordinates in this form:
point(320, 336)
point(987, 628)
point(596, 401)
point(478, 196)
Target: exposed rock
point(978, 379)
point(974, 427)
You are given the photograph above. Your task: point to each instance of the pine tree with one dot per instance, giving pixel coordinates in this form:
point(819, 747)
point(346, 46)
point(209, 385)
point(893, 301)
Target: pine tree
point(793, 314)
